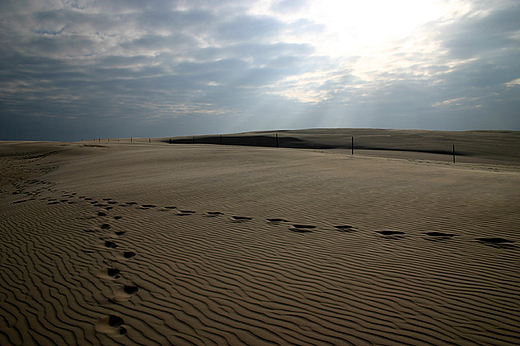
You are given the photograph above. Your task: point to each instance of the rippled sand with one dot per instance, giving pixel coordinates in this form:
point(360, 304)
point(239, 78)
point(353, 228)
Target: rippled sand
point(151, 243)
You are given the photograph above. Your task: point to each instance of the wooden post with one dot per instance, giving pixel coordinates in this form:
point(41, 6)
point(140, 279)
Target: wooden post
point(454, 153)
point(108, 140)
point(193, 139)
point(131, 139)
point(352, 145)
point(170, 141)
point(277, 141)
point(149, 140)
point(99, 140)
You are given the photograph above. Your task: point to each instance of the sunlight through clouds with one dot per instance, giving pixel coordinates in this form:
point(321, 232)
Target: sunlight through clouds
point(353, 27)
point(215, 66)
point(363, 25)
point(382, 35)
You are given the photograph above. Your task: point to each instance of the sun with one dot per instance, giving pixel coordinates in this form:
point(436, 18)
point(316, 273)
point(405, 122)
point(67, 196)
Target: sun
point(352, 27)
point(368, 40)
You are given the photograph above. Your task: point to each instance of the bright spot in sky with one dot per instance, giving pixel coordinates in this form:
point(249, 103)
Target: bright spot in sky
point(378, 34)
point(358, 25)
point(352, 27)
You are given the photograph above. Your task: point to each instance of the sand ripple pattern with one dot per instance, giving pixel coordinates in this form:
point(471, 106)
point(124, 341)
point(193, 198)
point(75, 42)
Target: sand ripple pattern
point(94, 270)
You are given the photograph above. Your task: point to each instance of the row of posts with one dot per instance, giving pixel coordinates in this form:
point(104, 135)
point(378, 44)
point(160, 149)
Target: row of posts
point(277, 143)
point(131, 140)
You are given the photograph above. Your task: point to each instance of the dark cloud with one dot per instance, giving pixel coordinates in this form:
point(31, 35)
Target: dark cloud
point(484, 35)
point(157, 43)
point(257, 53)
point(248, 28)
point(82, 69)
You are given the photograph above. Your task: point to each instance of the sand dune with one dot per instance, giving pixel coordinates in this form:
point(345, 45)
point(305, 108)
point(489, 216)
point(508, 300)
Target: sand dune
point(158, 244)
point(470, 146)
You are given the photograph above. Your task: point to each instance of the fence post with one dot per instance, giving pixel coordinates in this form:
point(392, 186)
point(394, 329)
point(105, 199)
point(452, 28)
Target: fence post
point(352, 145)
point(454, 153)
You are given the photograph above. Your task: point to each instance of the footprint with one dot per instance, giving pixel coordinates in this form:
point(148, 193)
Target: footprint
point(108, 274)
point(497, 242)
point(112, 325)
point(107, 199)
point(118, 217)
point(112, 202)
point(276, 221)
point(345, 228)
point(302, 228)
point(130, 203)
point(240, 218)
point(390, 233)
point(128, 254)
point(114, 273)
point(110, 244)
point(130, 289)
point(185, 212)
point(213, 214)
point(125, 292)
point(105, 226)
point(101, 213)
point(167, 208)
point(120, 233)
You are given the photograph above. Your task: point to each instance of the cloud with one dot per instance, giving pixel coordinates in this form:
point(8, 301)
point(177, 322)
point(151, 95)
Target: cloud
point(513, 83)
point(114, 68)
point(287, 6)
point(483, 34)
point(248, 28)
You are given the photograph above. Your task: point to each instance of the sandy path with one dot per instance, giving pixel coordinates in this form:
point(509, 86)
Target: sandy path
point(195, 244)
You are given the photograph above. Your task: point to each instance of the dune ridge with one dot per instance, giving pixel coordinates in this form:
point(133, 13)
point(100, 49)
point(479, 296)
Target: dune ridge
point(472, 146)
point(154, 244)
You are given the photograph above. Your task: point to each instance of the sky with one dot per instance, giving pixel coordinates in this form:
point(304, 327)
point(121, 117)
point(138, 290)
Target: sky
point(73, 70)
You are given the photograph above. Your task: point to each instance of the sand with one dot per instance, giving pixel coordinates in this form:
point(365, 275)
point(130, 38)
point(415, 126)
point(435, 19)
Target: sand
point(158, 244)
